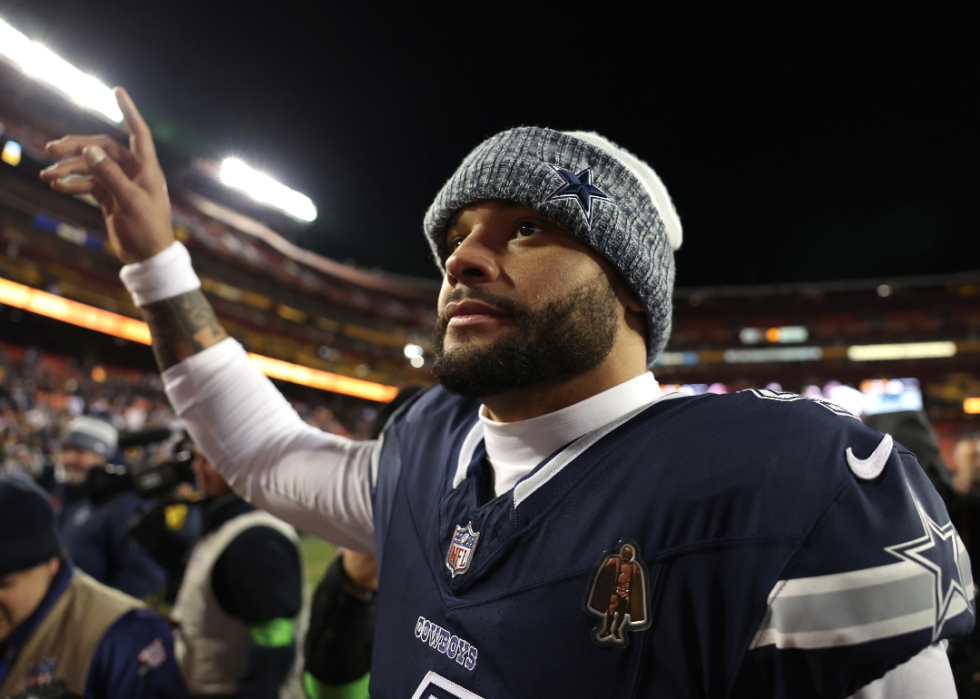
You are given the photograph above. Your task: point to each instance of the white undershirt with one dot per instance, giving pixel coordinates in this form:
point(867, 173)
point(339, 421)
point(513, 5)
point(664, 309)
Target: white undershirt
point(515, 448)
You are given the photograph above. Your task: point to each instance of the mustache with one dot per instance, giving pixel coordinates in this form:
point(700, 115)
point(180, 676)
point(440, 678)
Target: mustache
point(476, 293)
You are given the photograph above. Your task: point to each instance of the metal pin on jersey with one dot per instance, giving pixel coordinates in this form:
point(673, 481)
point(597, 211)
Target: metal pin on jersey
point(460, 553)
point(618, 595)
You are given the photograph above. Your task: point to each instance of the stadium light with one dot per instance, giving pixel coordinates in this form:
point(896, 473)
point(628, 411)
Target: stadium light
point(85, 316)
point(237, 175)
point(42, 64)
point(11, 153)
point(908, 350)
point(773, 354)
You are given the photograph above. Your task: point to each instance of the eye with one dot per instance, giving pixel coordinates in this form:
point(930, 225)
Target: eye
point(526, 228)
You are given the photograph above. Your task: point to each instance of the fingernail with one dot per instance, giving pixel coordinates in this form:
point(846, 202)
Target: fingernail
point(94, 155)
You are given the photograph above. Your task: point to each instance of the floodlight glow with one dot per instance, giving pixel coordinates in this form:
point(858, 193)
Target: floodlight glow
point(43, 65)
point(85, 316)
point(908, 350)
point(261, 187)
point(773, 354)
point(11, 153)
point(786, 334)
point(412, 351)
point(971, 406)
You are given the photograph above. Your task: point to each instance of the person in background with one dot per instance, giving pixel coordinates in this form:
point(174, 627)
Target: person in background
point(912, 429)
point(964, 655)
point(966, 481)
point(241, 592)
point(340, 638)
point(62, 633)
point(343, 615)
point(95, 533)
point(966, 464)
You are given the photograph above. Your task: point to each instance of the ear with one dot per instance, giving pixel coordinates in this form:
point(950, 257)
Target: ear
point(633, 303)
point(628, 298)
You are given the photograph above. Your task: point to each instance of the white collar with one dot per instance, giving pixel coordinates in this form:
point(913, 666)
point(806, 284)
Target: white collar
point(515, 448)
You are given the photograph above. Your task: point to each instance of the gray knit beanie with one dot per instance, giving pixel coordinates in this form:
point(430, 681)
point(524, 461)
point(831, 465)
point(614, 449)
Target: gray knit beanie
point(592, 188)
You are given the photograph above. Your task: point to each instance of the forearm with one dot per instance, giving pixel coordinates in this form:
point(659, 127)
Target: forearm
point(316, 481)
point(181, 327)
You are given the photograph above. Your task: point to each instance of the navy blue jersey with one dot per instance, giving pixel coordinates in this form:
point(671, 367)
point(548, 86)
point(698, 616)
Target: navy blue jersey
point(717, 546)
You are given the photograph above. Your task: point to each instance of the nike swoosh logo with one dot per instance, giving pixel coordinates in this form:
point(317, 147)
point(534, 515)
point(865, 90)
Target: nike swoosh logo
point(872, 466)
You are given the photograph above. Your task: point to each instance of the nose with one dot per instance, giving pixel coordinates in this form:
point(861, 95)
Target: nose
point(474, 261)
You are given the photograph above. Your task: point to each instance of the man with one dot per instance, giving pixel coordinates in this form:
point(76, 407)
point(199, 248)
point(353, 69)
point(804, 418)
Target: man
point(95, 532)
point(62, 633)
point(966, 464)
point(966, 481)
point(912, 429)
point(790, 551)
point(242, 589)
point(340, 637)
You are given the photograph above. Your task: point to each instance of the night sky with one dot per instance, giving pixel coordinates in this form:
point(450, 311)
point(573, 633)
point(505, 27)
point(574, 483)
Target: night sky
point(795, 148)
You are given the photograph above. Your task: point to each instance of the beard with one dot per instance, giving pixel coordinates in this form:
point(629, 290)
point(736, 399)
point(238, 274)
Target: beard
point(566, 338)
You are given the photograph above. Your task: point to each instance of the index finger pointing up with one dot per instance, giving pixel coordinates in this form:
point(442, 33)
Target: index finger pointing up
point(140, 137)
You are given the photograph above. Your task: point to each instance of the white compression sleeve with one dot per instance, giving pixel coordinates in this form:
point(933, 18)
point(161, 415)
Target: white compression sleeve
point(926, 676)
point(316, 481)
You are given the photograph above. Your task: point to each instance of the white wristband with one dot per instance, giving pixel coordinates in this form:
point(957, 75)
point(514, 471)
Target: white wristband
point(167, 274)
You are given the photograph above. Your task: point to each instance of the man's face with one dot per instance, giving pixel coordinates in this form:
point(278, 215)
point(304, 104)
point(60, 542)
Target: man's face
point(209, 480)
point(78, 462)
point(22, 592)
point(522, 302)
point(966, 456)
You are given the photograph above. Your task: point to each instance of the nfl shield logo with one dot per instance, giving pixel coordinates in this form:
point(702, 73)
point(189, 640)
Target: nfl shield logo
point(461, 549)
point(42, 672)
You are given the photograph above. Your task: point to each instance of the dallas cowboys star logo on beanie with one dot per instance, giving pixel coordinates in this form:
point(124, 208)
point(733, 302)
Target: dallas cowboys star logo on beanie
point(579, 188)
point(599, 192)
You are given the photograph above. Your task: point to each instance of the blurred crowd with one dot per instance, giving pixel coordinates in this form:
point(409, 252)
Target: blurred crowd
point(99, 474)
point(40, 393)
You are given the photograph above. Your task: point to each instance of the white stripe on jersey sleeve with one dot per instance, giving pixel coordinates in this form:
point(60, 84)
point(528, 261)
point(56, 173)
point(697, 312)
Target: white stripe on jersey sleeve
point(855, 607)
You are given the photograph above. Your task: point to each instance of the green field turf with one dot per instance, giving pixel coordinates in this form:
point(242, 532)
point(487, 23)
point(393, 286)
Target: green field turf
point(317, 555)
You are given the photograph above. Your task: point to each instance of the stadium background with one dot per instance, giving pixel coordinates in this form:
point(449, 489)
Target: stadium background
point(340, 339)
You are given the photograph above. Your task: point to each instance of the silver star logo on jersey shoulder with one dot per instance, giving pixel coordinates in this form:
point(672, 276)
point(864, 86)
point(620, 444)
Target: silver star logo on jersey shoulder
point(928, 552)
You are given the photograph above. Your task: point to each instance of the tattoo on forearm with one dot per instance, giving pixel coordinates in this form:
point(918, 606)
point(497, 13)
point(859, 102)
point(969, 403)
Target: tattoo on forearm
point(182, 326)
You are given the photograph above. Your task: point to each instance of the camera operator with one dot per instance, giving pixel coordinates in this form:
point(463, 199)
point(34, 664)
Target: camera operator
point(239, 597)
point(63, 634)
point(95, 532)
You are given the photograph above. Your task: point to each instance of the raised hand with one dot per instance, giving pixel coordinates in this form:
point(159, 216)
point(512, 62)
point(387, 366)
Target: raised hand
point(127, 182)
